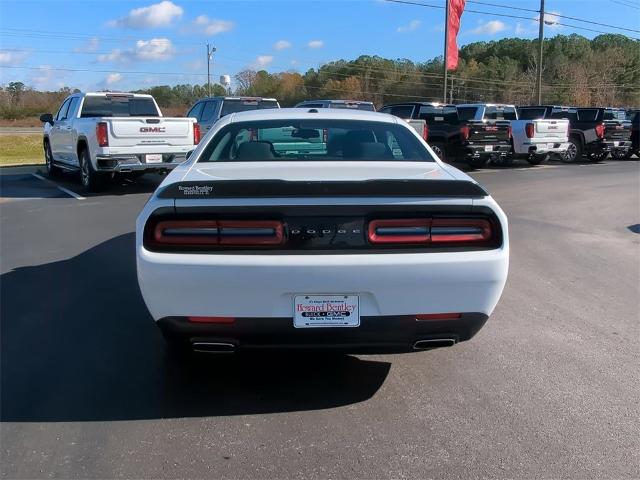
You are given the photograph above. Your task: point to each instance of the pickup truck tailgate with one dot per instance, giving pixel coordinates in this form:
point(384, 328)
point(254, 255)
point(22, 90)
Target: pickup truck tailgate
point(489, 132)
point(131, 131)
point(617, 130)
point(551, 129)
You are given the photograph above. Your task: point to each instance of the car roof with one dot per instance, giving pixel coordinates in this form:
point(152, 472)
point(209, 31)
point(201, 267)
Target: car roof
point(311, 114)
point(432, 104)
point(486, 105)
point(220, 97)
point(112, 94)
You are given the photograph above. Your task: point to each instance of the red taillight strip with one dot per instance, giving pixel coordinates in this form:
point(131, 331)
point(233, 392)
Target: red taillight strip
point(445, 230)
point(218, 232)
point(411, 230)
point(218, 320)
point(196, 134)
point(102, 134)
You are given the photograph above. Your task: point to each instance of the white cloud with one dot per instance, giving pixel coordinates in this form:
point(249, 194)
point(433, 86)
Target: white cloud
point(551, 19)
point(412, 26)
point(263, 61)
point(8, 57)
point(112, 78)
point(315, 44)
point(490, 28)
point(281, 45)
point(212, 26)
point(156, 49)
point(45, 78)
point(90, 45)
point(157, 15)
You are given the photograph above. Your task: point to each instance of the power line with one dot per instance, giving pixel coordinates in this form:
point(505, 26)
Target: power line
point(620, 2)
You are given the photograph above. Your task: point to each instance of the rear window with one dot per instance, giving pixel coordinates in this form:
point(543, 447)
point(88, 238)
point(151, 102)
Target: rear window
point(234, 106)
point(467, 113)
point(569, 114)
point(314, 140)
point(434, 114)
point(615, 115)
point(354, 106)
point(531, 113)
point(587, 114)
point(402, 111)
point(118, 106)
point(500, 113)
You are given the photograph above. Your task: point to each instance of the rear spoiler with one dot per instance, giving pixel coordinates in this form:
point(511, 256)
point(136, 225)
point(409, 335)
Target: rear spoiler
point(284, 188)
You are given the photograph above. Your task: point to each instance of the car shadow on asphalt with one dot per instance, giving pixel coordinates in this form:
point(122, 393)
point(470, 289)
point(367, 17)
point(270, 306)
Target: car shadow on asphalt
point(77, 344)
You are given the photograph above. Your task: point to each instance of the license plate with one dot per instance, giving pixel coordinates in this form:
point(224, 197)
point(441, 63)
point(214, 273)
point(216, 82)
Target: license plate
point(326, 311)
point(153, 158)
point(616, 144)
point(488, 148)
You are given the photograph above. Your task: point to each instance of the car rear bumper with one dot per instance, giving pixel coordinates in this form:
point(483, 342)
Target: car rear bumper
point(377, 334)
point(257, 285)
point(133, 163)
point(537, 148)
point(478, 151)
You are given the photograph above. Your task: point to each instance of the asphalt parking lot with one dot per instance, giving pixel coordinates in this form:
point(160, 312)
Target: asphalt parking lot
point(549, 388)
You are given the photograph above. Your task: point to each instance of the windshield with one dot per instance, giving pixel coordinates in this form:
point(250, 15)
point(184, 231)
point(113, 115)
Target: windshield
point(234, 106)
point(314, 140)
point(119, 106)
point(500, 113)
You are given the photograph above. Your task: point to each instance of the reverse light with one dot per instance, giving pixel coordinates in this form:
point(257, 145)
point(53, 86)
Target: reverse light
point(102, 134)
point(600, 130)
point(529, 130)
point(196, 134)
point(464, 133)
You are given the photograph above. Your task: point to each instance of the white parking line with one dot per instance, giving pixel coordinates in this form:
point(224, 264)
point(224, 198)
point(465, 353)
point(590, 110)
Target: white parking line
point(62, 189)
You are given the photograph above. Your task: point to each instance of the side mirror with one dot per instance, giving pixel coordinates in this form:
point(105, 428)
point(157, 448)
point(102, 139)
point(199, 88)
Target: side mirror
point(46, 118)
point(188, 154)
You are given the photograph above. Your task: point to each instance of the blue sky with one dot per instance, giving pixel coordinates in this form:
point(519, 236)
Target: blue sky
point(123, 45)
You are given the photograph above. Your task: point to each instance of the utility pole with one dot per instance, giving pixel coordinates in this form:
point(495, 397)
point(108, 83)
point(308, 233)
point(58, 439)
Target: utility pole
point(210, 51)
point(540, 51)
point(446, 48)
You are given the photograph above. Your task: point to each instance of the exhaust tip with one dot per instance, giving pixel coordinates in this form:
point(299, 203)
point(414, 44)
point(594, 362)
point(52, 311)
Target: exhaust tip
point(213, 347)
point(434, 343)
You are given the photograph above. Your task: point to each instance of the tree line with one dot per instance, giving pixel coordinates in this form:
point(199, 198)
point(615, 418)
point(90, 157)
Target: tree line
point(576, 71)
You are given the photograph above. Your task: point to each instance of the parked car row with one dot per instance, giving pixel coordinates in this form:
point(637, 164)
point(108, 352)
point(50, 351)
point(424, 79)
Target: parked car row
point(103, 134)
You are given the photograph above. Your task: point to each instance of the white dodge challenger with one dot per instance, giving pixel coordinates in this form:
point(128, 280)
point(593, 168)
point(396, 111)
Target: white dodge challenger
point(305, 228)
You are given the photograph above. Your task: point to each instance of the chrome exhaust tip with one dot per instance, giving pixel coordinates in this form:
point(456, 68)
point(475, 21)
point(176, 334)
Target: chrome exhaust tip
point(213, 347)
point(434, 343)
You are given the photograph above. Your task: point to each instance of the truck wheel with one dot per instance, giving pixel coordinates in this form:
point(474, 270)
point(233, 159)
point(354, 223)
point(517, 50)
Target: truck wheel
point(477, 162)
point(574, 151)
point(537, 159)
point(52, 170)
point(438, 149)
point(92, 181)
point(619, 154)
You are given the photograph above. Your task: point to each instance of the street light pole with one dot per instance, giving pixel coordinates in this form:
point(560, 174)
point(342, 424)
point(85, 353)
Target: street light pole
point(540, 51)
point(210, 51)
point(446, 49)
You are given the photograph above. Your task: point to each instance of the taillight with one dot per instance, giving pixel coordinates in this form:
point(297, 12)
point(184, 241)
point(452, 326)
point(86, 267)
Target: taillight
point(509, 131)
point(410, 230)
point(102, 134)
point(464, 133)
point(425, 132)
point(438, 316)
point(529, 130)
point(202, 233)
point(216, 320)
point(600, 130)
point(196, 134)
point(439, 231)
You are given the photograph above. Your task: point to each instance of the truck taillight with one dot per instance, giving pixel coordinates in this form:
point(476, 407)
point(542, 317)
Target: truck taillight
point(464, 133)
point(529, 130)
point(600, 130)
point(425, 132)
point(214, 233)
point(441, 231)
point(509, 131)
point(102, 134)
point(196, 134)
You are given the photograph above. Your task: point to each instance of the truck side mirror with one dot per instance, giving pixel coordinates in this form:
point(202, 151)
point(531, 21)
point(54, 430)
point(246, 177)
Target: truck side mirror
point(46, 118)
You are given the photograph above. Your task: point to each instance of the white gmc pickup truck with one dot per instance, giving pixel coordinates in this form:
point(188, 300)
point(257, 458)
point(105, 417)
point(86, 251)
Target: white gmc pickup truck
point(100, 134)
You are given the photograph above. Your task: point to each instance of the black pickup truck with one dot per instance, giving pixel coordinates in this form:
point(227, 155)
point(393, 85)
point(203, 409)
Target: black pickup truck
point(634, 117)
point(475, 134)
point(594, 132)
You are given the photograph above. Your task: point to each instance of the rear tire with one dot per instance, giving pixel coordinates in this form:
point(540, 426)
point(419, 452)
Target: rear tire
point(574, 151)
point(620, 154)
point(92, 181)
point(597, 157)
point(537, 159)
point(438, 149)
point(52, 170)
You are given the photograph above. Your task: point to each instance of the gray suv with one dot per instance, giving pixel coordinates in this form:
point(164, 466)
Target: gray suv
point(208, 110)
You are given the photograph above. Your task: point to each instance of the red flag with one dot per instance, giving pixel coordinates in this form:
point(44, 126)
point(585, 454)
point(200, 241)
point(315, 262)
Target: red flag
point(456, 7)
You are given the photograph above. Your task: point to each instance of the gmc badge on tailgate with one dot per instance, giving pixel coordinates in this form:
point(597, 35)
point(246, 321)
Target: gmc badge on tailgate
point(152, 129)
